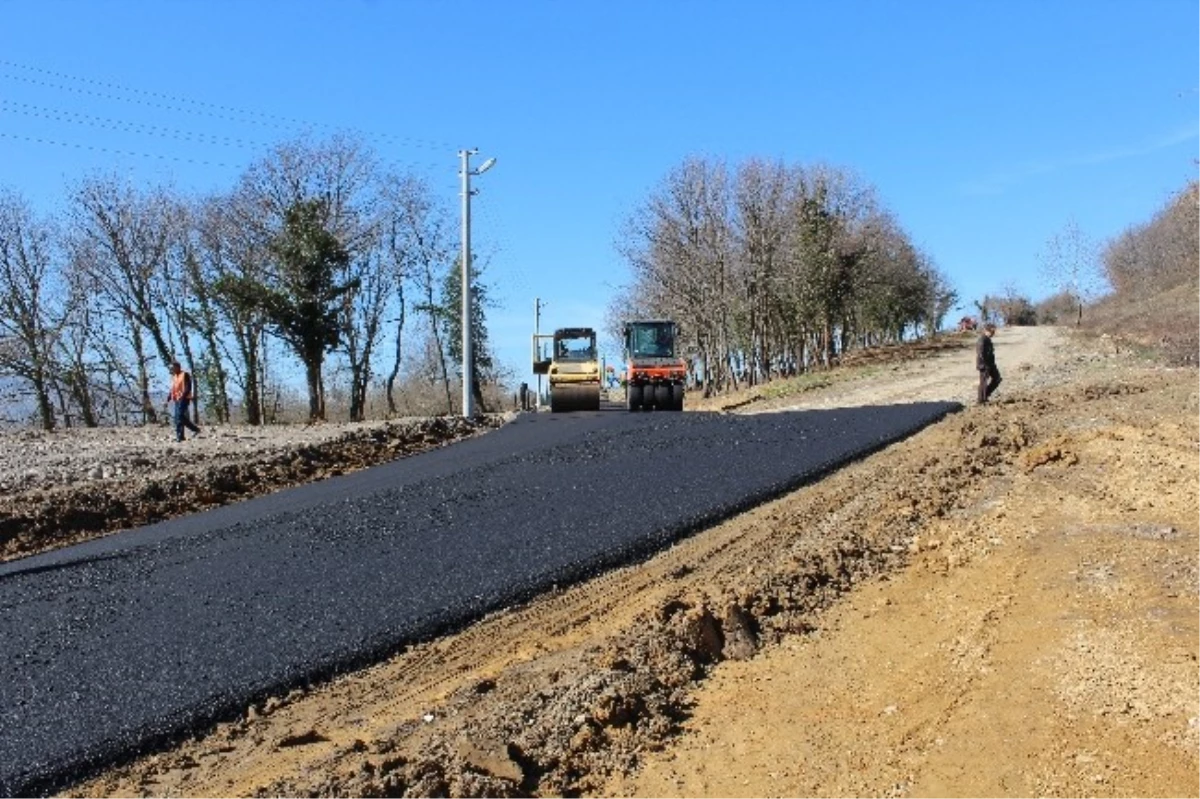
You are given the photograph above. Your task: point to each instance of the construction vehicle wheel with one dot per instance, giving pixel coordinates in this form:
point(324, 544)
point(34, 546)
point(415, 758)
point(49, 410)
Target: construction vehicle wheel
point(677, 397)
point(633, 397)
point(662, 398)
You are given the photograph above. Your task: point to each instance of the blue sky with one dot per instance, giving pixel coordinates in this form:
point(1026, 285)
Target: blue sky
point(985, 126)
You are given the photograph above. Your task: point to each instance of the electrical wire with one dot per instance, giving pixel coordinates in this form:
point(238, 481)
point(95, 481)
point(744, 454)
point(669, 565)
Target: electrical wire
point(165, 102)
point(174, 102)
point(109, 123)
point(113, 151)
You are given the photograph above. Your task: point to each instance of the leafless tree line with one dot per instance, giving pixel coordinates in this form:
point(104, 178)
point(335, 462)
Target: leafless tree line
point(1161, 254)
point(772, 270)
point(1145, 261)
point(96, 302)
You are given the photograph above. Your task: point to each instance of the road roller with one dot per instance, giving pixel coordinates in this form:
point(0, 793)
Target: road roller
point(573, 368)
point(654, 374)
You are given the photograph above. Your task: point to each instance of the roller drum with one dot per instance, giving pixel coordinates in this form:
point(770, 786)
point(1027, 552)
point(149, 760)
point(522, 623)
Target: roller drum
point(567, 398)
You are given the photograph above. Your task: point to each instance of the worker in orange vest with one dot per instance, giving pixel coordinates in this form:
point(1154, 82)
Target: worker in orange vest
point(181, 395)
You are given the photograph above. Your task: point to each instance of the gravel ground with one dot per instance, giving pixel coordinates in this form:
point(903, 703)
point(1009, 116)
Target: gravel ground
point(67, 486)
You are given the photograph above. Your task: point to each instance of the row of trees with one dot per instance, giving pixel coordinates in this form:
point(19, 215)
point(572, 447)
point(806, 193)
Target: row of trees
point(1161, 254)
point(774, 269)
point(318, 252)
point(1015, 308)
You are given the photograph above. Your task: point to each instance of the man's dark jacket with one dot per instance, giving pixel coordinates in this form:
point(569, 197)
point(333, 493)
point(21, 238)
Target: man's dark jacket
point(985, 354)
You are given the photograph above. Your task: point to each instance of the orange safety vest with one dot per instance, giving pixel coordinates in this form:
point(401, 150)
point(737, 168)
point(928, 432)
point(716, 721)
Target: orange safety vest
point(181, 386)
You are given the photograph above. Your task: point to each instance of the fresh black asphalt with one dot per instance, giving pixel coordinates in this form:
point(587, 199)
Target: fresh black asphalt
point(121, 644)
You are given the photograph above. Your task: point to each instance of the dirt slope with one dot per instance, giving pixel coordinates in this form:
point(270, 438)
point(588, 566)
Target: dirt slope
point(1005, 604)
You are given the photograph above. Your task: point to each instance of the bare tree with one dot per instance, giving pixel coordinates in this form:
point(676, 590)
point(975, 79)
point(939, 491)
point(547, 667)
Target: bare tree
point(679, 248)
point(193, 303)
point(773, 269)
point(76, 350)
point(29, 317)
point(418, 240)
point(120, 240)
point(1070, 265)
point(229, 252)
point(760, 206)
point(940, 297)
point(149, 278)
point(1161, 254)
point(832, 251)
point(1015, 308)
point(428, 284)
point(364, 308)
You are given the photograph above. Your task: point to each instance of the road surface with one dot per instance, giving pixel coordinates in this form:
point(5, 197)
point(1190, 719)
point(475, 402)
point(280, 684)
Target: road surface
point(121, 644)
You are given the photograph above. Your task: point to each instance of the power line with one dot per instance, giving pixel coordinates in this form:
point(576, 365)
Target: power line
point(109, 123)
point(112, 151)
point(187, 105)
point(165, 134)
point(175, 105)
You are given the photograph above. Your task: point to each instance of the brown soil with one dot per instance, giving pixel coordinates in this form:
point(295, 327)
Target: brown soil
point(1004, 604)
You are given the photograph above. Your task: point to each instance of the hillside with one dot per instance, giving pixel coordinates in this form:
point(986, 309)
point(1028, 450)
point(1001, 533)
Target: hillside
point(1004, 604)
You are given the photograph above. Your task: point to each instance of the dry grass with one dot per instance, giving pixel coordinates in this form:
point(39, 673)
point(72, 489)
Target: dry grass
point(855, 364)
point(1164, 326)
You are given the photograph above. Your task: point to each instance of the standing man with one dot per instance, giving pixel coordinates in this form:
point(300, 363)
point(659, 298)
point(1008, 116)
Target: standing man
point(985, 363)
point(181, 395)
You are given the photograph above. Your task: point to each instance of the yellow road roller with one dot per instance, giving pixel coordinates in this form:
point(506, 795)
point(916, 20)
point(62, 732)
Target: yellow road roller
point(573, 367)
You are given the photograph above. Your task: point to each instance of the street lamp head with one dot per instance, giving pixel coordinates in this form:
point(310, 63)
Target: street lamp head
point(485, 166)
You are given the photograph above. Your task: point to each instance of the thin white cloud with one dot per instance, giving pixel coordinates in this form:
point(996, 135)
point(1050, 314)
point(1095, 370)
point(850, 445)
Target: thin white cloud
point(999, 182)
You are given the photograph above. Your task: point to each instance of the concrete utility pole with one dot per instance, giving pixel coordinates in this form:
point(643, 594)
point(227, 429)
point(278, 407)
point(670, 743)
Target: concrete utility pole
point(468, 401)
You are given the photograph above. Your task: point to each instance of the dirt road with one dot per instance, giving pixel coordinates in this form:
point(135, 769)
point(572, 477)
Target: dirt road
point(1026, 355)
point(1004, 604)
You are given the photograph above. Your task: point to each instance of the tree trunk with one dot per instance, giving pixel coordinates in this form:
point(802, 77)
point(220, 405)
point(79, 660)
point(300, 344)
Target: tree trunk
point(445, 375)
point(316, 394)
point(149, 415)
point(477, 392)
point(219, 384)
point(77, 382)
point(360, 383)
point(391, 381)
point(45, 404)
